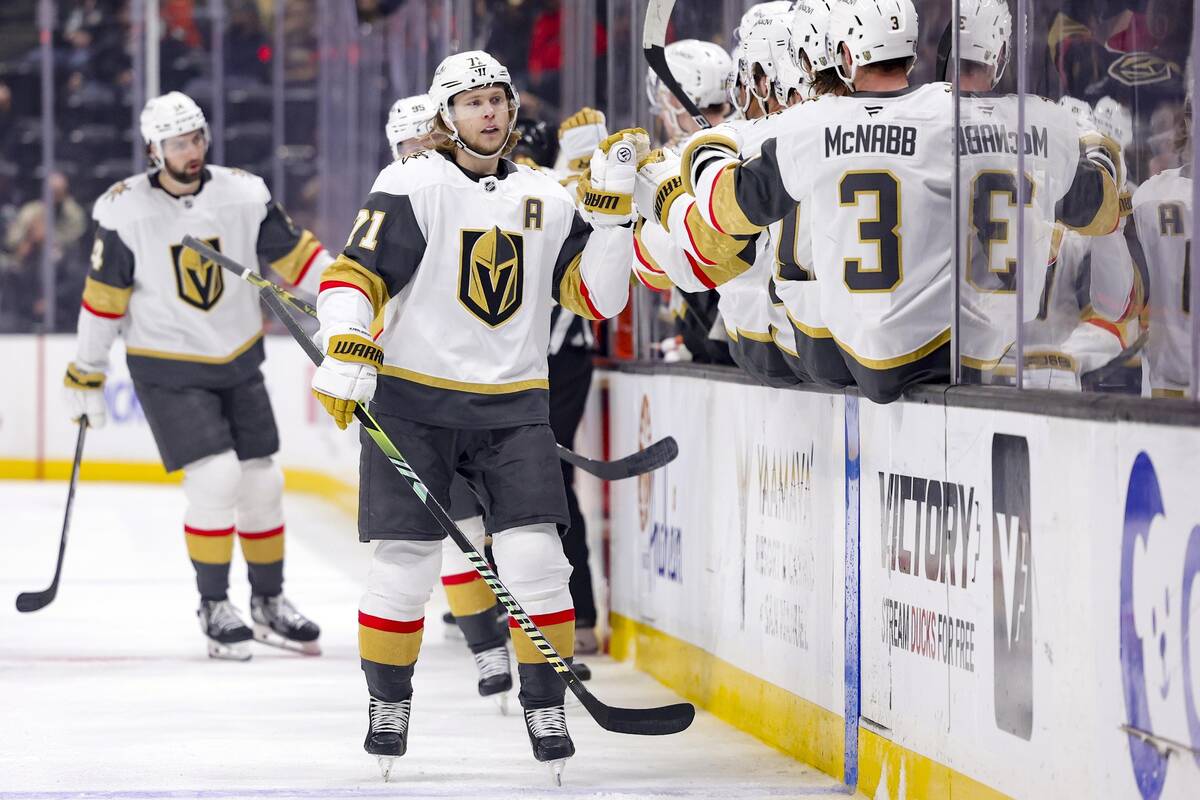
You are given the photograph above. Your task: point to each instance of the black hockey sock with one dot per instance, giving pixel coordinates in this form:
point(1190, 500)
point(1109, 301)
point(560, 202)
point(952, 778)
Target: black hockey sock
point(212, 580)
point(388, 683)
point(263, 551)
point(540, 686)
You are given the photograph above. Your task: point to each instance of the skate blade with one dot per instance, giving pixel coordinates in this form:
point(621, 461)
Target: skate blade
point(265, 635)
point(501, 699)
point(235, 651)
point(556, 770)
point(385, 767)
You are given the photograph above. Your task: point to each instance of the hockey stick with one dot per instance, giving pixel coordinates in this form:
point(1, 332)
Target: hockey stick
point(32, 601)
point(654, 40)
point(644, 721)
point(657, 455)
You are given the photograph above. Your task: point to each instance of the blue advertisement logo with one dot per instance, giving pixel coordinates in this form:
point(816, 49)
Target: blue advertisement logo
point(1155, 627)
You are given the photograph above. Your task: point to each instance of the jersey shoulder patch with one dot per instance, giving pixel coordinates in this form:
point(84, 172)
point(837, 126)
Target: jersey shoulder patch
point(124, 201)
point(413, 172)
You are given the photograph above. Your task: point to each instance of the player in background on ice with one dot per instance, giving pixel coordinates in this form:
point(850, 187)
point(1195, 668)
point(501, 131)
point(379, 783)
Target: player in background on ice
point(194, 346)
point(1082, 193)
point(467, 252)
point(474, 610)
point(1162, 212)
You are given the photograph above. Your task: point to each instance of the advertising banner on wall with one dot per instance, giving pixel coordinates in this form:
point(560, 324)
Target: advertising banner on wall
point(736, 546)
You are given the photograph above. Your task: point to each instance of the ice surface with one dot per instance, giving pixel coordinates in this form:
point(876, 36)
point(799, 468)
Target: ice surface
point(107, 693)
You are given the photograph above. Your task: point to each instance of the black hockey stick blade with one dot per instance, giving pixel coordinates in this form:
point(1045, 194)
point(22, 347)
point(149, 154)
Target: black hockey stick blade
point(661, 721)
point(654, 40)
point(657, 455)
point(32, 601)
point(645, 722)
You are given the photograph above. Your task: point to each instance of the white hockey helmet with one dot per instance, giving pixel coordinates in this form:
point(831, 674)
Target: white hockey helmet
point(409, 118)
point(462, 72)
point(169, 115)
point(756, 12)
point(789, 76)
point(810, 48)
point(985, 32)
point(703, 70)
point(1114, 120)
point(1081, 110)
point(762, 41)
point(872, 31)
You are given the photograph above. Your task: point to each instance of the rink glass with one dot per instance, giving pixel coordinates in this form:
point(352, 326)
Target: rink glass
point(297, 92)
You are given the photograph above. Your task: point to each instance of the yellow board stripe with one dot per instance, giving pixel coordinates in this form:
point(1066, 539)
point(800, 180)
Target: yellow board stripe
point(473, 597)
point(146, 353)
point(923, 777)
point(463, 386)
point(796, 726)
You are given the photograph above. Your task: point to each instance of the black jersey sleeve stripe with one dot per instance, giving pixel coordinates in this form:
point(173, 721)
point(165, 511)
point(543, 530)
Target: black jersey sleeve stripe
point(1092, 206)
point(572, 248)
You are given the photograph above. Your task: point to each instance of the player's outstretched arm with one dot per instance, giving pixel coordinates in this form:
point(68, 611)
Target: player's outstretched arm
point(1092, 206)
point(675, 239)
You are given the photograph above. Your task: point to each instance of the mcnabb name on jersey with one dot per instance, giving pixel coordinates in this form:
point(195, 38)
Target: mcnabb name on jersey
point(892, 140)
point(993, 137)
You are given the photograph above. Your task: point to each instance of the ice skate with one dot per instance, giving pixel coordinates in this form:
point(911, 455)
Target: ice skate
point(387, 732)
point(551, 742)
point(495, 675)
point(279, 624)
point(228, 636)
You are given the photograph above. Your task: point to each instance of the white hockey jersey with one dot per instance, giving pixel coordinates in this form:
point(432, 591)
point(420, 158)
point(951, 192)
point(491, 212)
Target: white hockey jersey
point(185, 322)
point(1162, 211)
point(988, 144)
point(460, 273)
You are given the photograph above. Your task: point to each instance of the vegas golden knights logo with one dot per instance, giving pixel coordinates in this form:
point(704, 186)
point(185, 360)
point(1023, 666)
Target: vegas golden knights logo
point(491, 274)
point(199, 281)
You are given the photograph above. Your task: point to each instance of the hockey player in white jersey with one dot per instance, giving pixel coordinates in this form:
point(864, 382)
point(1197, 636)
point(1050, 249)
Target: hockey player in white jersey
point(458, 256)
point(194, 345)
point(705, 72)
point(877, 178)
point(1081, 193)
point(409, 124)
point(474, 610)
point(1162, 212)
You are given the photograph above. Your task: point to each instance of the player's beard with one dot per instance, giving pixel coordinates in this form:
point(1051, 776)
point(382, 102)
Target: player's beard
point(185, 175)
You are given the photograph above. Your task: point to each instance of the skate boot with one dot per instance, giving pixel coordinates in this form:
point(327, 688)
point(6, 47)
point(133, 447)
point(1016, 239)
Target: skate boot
point(228, 637)
point(552, 744)
point(387, 734)
point(495, 675)
point(279, 624)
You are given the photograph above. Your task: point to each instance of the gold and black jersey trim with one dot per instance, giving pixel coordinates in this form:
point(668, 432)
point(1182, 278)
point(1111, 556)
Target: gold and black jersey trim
point(569, 289)
point(105, 301)
point(878, 364)
point(344, 272)
point(436, 382)
point(144, 352)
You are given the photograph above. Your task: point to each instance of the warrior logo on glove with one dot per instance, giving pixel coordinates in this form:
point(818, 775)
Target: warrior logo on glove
point(491, 274)
point(199, 281)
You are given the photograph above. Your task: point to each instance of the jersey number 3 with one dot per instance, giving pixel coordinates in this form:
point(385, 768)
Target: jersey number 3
point(882, 230)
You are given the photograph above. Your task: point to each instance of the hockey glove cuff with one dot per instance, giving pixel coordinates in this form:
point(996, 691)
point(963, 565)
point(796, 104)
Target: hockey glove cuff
point(579, 135)
point(711, 149)
point(658, 186)
point(347, 374)
point(83, 393)
point(605, 189)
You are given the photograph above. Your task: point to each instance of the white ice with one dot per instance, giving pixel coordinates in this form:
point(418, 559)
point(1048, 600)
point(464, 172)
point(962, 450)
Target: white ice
point(108, 693)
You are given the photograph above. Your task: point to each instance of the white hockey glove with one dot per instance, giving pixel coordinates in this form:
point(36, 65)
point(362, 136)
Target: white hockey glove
point(605, 189)
point(658, 185)
point(84, 394)
point(578, 136)
point(714, 148)
point(347, 374)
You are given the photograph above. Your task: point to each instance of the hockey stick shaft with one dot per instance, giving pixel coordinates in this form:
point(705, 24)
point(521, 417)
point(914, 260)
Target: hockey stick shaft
point(654, 40)
point(656, 455)
point(664, 720)
point(32, 601)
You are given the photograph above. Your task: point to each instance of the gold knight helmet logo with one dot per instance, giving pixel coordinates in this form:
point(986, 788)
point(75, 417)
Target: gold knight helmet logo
point(200, 282)
point(491, 274)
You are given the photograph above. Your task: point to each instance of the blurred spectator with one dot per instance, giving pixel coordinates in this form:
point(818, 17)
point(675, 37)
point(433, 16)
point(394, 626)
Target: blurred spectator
point(246, 49)
point(545, 51)
point(21, 303)
point(8, 123)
